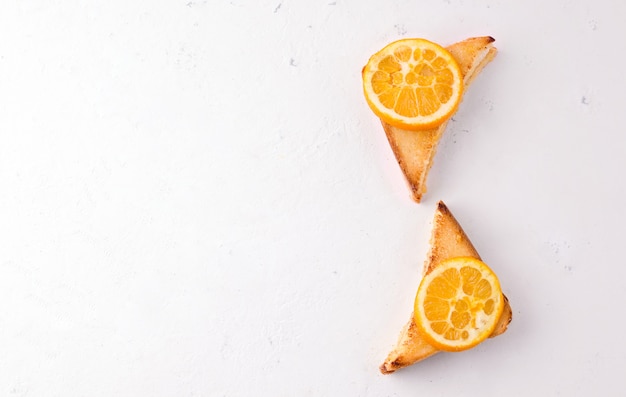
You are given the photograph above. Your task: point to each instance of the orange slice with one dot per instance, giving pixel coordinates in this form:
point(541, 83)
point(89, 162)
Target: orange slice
point(458, 304)
point(413, 84)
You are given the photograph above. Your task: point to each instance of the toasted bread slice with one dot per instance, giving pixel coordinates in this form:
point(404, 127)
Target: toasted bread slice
point(448, 240)
point(415, 150)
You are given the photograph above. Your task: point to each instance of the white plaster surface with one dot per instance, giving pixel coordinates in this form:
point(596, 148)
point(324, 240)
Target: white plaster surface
point(195, 199)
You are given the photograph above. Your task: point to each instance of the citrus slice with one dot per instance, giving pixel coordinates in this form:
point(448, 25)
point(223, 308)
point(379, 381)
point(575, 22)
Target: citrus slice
point(413, 84)
point(458, 304)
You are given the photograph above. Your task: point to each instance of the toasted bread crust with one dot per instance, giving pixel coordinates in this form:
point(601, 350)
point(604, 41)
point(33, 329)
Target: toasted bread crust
point(410, 349)
point(415, 150)
point(473, 55)
point(448, 240)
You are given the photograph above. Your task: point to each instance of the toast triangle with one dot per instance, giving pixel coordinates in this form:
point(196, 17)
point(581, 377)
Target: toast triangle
point(448, 240)
point(415, 150)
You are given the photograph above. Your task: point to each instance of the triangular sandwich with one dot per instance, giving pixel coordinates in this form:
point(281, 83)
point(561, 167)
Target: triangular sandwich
point(415, 150)
point(448, 240)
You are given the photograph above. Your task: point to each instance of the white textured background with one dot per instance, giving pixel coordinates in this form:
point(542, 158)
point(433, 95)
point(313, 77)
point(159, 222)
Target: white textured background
point(195, 199)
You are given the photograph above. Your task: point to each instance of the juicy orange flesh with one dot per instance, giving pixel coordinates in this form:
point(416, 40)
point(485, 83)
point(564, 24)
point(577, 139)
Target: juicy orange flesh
point(417, 89)
point(454, 300)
